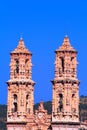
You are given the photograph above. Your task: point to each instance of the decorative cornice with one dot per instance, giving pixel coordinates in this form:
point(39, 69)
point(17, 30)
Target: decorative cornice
point(65, 81)
point(28, 82)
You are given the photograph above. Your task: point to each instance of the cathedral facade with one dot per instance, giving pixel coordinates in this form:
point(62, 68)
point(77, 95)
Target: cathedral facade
point(65, 88)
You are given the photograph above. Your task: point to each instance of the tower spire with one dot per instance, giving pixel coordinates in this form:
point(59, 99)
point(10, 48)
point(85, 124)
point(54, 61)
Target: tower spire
point(66, 46)
point(21, 48)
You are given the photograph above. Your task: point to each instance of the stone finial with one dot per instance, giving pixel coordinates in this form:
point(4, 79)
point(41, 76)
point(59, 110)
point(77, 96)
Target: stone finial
point(41, 107)
point(66, 41)
point(21, 44)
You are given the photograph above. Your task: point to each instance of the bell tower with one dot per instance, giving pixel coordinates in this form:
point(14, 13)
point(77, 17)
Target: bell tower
point(20, 88)
point(65, 99)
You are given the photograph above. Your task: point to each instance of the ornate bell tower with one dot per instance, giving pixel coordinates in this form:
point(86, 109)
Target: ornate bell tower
point(20, 88)
point(65, 100)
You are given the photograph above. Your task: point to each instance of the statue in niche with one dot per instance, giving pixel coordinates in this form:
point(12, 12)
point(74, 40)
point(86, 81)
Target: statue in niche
point(73, 103)
point(27, 103)
point(14, 109)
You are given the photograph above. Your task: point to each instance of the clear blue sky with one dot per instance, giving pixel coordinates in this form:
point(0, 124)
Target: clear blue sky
point(43, 25)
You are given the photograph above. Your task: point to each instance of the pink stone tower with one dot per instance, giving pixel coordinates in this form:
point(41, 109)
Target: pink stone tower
point(20, 88)
point(65, 98)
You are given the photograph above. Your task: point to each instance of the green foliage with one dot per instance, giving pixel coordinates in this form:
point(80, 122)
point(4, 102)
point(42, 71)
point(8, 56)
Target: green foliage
point(83, 108)
point(2, 125)
point(3, 110)
point(48, 107)
point(3, 114)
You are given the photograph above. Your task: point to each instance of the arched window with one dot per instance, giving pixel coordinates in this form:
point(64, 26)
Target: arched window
point(62, 63)
point(27, 97)
point(27, 103)
point(60, 102)
point(15, 103)
point(73, 95)
point(27, 68)
point(15, 98)
point(17, 66)
point(26, 62)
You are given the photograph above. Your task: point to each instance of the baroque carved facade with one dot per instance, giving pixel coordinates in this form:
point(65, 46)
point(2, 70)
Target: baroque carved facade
point(65, 99)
